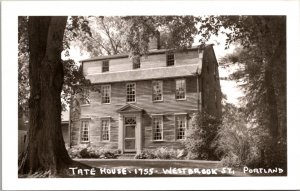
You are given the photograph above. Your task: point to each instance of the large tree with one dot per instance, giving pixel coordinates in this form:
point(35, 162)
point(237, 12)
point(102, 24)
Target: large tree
point(263, 56)
point(46, 150)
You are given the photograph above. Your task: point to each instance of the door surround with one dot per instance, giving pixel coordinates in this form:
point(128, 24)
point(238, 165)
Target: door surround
point(129, 111)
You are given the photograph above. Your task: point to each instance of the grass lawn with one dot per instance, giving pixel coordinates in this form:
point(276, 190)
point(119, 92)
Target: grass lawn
point(151, 168)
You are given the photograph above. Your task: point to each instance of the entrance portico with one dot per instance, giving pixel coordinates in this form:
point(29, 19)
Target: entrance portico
point(130, 129)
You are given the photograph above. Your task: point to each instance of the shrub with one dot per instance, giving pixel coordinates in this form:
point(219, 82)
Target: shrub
point(84, 151)
point(200, 136)
point(145, 155)
point(161, 153)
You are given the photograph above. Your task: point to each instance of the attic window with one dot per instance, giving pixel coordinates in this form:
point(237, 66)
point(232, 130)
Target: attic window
point(136, 61)
point(105, 66)
point(170, 59)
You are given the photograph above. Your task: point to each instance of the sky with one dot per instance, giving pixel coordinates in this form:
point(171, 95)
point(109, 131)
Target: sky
point(228, 87)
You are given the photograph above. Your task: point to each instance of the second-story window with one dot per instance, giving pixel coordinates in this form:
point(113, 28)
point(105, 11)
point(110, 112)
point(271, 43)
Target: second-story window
point(105, 93)
point(105, 66)
point(130, 92)
point(136, 61)
point(170, 59)
point(157, 91)
point(180, 89)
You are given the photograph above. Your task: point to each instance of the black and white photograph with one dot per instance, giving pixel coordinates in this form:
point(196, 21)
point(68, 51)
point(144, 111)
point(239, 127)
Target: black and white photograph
point(130, 96)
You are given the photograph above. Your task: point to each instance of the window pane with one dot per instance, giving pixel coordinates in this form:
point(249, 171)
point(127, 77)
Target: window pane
point(105, 66)
point(84, 131)
point(180, 126)
point(130, 88)
point(170, 59)
point(136, 62)
point(180, 89)
point(157, 128)
point(105, 93)
point(105, 129)
point(157, 89)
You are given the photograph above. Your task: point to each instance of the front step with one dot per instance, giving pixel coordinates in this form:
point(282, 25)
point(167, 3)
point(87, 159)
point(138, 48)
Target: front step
point(127, 156)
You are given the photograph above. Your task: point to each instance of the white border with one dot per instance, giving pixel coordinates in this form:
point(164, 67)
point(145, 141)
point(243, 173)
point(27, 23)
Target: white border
point(10, 11)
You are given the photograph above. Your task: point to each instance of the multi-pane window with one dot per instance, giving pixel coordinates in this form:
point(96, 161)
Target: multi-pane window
point(105, 123)
point(105, 93)
point(84, 133)
point(105, 66)
point(170, 59)
point(136, 61)
point(157, 124)
point(180, 89)
point(130, 90)
point(157, 90)
point(180, 122)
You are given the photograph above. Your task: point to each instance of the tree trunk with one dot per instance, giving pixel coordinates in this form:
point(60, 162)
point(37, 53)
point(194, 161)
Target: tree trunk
point(46, 148)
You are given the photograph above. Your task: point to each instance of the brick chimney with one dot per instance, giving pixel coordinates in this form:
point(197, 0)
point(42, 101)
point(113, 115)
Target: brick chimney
point(154, 42)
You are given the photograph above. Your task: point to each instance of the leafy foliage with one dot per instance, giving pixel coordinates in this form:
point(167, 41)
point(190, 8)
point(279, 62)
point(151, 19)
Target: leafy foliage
point(23, 65)
point(177, 32)
point(200, 136)
point(131, 34)
point(262, 57)
point(73, 76)
point(85, 151)
point(161, 153)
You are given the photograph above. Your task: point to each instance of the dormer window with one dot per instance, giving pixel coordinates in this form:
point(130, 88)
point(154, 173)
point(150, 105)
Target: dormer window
point(136, 61)
point(170, 59)
point(105, 66)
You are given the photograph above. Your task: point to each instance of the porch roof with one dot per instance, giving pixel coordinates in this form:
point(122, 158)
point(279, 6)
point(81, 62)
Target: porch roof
point(130, 108)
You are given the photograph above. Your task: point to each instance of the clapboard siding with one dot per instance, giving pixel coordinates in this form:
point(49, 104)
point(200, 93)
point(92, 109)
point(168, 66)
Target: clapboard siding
point(150, 61)
point(169, 106)
point(210, 98)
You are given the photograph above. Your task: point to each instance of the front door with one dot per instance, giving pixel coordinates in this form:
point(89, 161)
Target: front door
point(129, 134)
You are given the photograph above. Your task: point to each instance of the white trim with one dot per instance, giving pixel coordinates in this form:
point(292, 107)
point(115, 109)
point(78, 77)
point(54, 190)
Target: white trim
point(156, 114)
point(181, 113)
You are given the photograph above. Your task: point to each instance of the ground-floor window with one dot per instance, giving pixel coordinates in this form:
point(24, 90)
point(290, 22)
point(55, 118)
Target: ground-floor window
point(157, 124)
point(105, 124)
point(84, 131)
point(180, 123)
